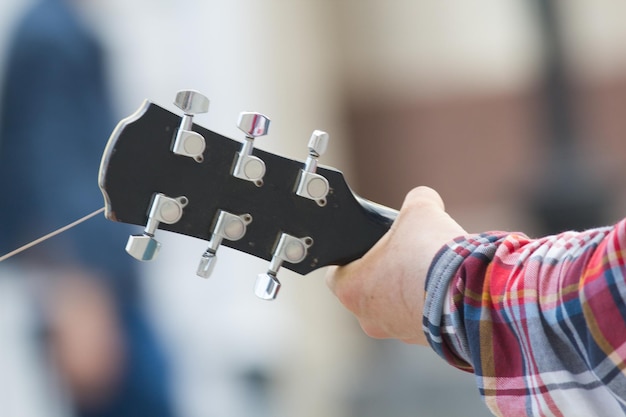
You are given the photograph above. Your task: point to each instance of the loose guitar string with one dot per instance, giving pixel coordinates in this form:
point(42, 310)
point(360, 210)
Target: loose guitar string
point(51, 234)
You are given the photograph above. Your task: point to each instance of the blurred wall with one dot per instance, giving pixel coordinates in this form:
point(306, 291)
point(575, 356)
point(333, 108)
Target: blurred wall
point(453, 96)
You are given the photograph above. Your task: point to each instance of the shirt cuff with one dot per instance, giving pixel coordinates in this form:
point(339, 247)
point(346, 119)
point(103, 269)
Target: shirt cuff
point(442, 320)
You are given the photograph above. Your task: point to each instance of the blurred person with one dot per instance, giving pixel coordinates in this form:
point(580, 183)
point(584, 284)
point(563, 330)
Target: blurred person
point(56, 117)
point(540, 322)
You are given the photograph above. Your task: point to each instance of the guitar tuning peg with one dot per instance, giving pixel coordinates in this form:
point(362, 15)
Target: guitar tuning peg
point(290, 249)
point(228, 226)
point(187, 142)
point(318, 143)
point(163, 209)
point(248, 166)
point(266, 286)
point(312, 185)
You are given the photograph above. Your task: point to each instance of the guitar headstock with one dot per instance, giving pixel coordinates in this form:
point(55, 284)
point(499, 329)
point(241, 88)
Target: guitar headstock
point(161, 171)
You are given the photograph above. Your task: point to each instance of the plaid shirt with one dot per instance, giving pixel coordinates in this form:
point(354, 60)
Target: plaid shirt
point(541, 323)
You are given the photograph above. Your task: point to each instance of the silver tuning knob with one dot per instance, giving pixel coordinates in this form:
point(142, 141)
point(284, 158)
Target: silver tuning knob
point(288, 249)
point(163, 209)
point(248, 166)
point(228, 226)
point(187, 142)
point(312, 185)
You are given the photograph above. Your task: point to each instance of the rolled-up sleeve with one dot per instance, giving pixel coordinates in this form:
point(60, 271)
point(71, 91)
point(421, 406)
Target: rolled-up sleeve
point(540, 322)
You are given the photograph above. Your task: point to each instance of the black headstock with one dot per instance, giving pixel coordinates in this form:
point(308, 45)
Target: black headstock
point(140, 170)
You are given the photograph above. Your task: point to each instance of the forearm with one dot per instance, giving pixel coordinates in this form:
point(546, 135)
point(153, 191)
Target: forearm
point(532, 316)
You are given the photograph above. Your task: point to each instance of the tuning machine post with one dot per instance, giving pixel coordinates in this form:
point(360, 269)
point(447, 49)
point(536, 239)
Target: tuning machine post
point(312, 185)
point(290, 249)
point(163, 209)
point(187, 142)
point(228, 226)
point(249, 167)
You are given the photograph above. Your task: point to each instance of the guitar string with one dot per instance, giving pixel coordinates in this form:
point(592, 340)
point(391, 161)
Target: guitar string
point(51, 234)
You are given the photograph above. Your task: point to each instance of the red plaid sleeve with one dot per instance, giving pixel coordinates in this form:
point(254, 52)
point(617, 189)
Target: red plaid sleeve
point(540, 322)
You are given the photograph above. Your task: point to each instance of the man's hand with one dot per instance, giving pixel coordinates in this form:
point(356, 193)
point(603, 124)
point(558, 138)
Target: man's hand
point(385, 288)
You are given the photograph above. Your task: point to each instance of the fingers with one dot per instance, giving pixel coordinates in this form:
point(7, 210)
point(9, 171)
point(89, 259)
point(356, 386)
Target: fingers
point(332, 275)
point(385, 288)
point(344, 281)
point(423, 196)
point(349, 281)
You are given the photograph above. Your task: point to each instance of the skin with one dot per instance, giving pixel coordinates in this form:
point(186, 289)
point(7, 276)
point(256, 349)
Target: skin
point(85, 343)
point(385, 288)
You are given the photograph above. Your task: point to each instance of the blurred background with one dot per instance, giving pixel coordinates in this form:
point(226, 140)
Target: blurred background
point(512, 110)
